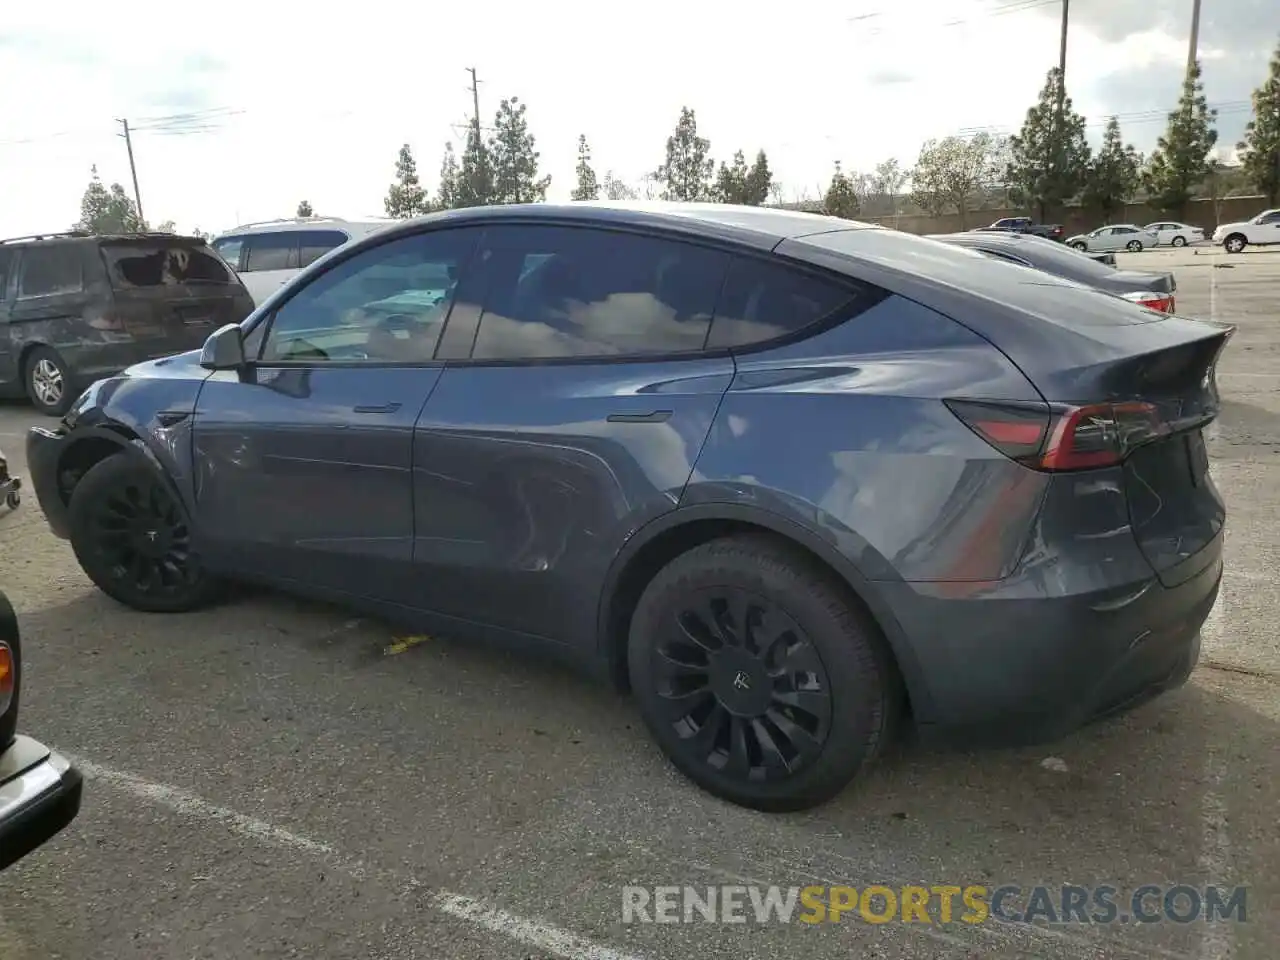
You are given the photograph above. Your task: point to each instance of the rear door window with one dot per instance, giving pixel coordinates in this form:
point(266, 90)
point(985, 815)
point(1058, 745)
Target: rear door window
point(271, 251)
point(51, 270)
point(229, 249)
point(763, 301)
point(314, 244)
point(133, 264)
point(6, 263)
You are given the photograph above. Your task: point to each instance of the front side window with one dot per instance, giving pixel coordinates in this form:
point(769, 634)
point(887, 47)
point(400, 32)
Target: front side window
point(561, 292)
point(386, 304)
point(314, 244)
point(228, 249)
point(1270, 216)
point(271, 251)
point(50, 270)
point(764, 301)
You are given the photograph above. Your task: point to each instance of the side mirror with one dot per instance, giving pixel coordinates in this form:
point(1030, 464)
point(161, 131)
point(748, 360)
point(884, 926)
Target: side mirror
point(224, 350)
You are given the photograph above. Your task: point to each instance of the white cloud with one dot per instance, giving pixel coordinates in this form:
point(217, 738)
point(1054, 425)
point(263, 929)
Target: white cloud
point(316, 100)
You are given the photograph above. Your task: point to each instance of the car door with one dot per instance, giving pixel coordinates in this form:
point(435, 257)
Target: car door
point(1266, 229)
point(303, 463)
point(269, 259)
point(573, 406)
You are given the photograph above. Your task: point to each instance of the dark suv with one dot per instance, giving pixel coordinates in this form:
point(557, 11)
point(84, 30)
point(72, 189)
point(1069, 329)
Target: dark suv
point(791, 478)
point(76, 307)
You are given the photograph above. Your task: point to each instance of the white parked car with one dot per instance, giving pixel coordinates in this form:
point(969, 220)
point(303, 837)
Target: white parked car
point(1117, 236)
point(1170, 233)
point(267, 254)
point(1260, 231)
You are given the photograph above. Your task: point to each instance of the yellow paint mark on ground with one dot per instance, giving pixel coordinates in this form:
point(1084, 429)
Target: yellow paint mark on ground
point(401, 644)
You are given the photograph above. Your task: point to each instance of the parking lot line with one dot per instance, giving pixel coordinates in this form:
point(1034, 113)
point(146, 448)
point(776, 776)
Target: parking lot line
point(530, 932)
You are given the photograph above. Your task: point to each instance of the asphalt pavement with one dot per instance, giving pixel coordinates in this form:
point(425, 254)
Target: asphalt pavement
point(276, 778)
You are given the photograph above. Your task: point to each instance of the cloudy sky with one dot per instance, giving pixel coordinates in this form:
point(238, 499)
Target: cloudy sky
point(243, 109)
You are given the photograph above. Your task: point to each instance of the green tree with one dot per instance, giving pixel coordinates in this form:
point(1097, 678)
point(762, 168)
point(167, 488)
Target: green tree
point(514, 159)
point(1113, 174)
point(405, 198)
point(1049, 158)
point(1260, 149)
point(447, 193)
point(588, 188)
point(616, 188)
point(841, 199)
point(686, 173)
point(887, 182)
point(475, 173)
point(108, 210)
point(167, 226)
point(953, 172)
point(304, 209)
point(1181, 160)
point(759, 180)
point(731, 181)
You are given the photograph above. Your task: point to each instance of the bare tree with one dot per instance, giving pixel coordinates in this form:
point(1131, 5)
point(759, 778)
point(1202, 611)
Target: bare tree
point(955, 172)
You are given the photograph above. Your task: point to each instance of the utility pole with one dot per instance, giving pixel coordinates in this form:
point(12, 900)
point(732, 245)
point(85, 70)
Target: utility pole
point(1194, 45)
point(133, 170)
point(475, 126)
point(1058, 118)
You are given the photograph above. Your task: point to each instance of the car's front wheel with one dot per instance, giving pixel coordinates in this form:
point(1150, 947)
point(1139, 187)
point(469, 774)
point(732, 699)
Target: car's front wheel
point(1079, 245)
point(132, 537)
point(759, 677)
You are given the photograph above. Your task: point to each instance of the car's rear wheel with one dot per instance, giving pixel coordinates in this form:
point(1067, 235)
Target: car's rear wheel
point(1235, 243)
point(132, 537)
point(48, 381)
point(1179, 241)
point(1078, 245)
point(759, 677)
point(1134, 246)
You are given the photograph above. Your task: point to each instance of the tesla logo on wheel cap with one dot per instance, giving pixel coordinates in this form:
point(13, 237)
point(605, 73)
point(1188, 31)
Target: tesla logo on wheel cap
point(742, 681)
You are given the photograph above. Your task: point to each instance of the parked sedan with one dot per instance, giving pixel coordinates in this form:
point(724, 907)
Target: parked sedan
point(39, 790)
point(1169, 233)
point(779, 474)
point(1153, 289)
point(1124, 236)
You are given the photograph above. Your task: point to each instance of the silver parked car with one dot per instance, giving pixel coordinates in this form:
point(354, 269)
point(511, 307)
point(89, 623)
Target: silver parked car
point(1170, 233)
point(1121, 236)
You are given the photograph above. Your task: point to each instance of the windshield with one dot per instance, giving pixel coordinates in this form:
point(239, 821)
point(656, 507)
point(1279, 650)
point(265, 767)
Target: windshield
point(163, 262)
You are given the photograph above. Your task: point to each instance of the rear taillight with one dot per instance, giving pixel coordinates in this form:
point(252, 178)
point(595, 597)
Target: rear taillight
point(8, 677)
point(1159, 302)
point(1065, 438)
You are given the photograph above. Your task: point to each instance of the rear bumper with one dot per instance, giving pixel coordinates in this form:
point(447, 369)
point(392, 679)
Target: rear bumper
point(39, 795)
point(44, 447)
point(1016, 663)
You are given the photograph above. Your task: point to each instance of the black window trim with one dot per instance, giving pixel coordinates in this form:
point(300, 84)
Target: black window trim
point(863, 295)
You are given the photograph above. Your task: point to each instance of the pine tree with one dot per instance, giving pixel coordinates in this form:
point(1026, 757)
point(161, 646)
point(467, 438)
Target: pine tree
point(475, 173)
point(731, 181)
point(759, 181)
point(304, 209)
point(841, 199)
point(1260, 148)
point(405, 198)
point(447, 194)
point(588, 187)
point(1049, 157)
point(515, 161)
point(686, 173)
point(1113, 174)
point(617, 189)
point(1181, 159)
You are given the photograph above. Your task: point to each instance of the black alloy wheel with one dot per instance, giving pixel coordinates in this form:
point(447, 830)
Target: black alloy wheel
point(132, 537)
point(742, 685)
point(759, 674)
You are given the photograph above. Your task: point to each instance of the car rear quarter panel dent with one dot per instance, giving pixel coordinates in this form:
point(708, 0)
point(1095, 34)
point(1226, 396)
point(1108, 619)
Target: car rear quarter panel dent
point(846, 435)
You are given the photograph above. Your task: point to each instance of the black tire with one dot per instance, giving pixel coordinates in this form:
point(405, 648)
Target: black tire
point(1079, 246)
point(132, 537)
point(690, 692)
point(1235, 243)
point(13, 501)
point(41, 367)
point(1179, 241)
point(1134, 246)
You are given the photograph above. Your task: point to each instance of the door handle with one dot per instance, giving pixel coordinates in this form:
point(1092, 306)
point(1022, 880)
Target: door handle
point(376, 408)
point(657, 416)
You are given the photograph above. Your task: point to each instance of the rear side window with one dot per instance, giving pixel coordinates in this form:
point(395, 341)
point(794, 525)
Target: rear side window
point(271, 251)
point(314, 244)
point(558, 292)
point(229, 250)
point(149, 263)
point(6, 261)
point(51, 270)
point(763, 301)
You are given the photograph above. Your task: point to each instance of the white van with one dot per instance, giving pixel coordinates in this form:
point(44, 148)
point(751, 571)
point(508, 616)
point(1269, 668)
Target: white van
point(267, 254)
